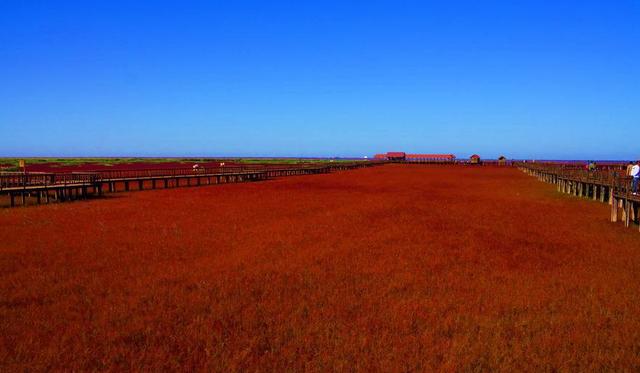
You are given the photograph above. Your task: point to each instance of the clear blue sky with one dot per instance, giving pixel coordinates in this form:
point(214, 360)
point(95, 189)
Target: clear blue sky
point(528, 79)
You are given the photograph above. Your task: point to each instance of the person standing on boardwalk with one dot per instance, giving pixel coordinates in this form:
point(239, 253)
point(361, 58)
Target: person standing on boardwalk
point(635, 173)
point(629, 167)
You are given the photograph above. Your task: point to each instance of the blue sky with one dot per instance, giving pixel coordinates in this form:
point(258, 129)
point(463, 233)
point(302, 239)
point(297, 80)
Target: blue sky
point(528, 79)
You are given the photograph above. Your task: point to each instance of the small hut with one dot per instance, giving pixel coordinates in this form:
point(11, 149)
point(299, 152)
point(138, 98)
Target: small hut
point(474, 159)
point(502, 161)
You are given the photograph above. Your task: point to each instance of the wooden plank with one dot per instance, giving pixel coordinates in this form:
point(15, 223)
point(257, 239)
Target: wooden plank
point(626, 214)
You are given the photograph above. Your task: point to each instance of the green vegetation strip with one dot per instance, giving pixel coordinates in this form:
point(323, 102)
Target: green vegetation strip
point(11, 164)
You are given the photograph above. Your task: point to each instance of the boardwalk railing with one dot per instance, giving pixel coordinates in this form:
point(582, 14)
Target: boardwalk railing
point(12, 180)
point(153, 172)
point(610, 185)
point(19, 179)
point(74, 185)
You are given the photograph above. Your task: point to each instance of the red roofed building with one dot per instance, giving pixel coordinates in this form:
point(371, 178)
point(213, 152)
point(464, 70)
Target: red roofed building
point(430, 157)
point(396, 156)
point(380, 157)
point(474, 159)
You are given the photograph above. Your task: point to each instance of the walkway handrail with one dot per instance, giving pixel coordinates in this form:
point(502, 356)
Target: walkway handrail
point(614, 177)
point(28, 179)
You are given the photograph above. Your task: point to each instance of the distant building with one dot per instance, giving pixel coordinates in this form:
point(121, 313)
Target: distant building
point(430, 157)
point(502, 160)
point(475, 159)
point(396, 156)
point(404, 157)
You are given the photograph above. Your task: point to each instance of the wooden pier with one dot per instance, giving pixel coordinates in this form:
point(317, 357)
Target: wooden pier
point(60, 187)
point(610, 186)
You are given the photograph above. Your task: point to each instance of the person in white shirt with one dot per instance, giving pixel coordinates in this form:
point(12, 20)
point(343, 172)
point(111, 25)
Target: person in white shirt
point(635, 173)
point(629, 167)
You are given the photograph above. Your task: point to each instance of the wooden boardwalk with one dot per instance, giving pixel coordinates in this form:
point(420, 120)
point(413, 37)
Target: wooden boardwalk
point(60, 187)
point(610, 186)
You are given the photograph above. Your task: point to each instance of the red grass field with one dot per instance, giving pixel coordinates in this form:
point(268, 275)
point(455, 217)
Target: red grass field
point(393, 268)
